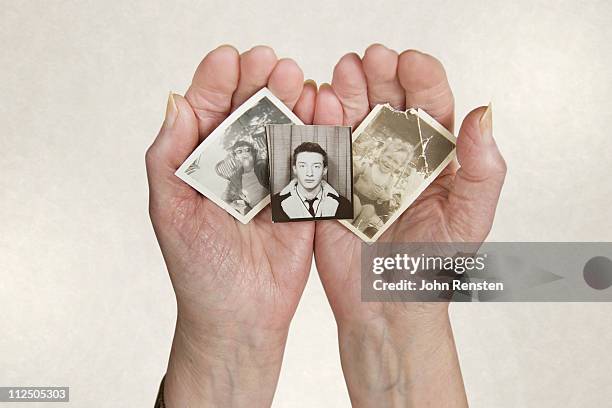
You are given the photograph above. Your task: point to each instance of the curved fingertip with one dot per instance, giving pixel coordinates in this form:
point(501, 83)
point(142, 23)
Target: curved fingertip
point(426, 85)
point(311, 83)
point(219, 70)
point(174, 143)
point(286, 81)
point(256, 66)
point(350, 85)
point(263, 51)
point(305, 106)
point(380, 68)
point(477, 127)
point(212, 87)
point(476, 147)
point(226, 46)
point(288, 69)
point(419, 71)
point(374, 46)
point(348, 59)
point(328, 108)
point(380, 61)
point(178, 136)
point(348, 77)
point(471, 124)
point(477, 185)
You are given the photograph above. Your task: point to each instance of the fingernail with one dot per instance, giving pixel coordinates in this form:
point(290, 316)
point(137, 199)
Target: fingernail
point(325, 84)
point(486, 122)
point(227, 45)
point(171, 111)
point(258, 46)
point(414, 52)
point(310, 82)
point(376, 45)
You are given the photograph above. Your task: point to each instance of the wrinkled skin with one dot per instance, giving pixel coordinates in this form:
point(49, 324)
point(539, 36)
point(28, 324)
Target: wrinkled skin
point(237, 286)
point(458, 206)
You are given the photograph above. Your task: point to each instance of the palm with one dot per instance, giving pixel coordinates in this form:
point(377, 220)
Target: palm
point(422, 222)
point(254, 273)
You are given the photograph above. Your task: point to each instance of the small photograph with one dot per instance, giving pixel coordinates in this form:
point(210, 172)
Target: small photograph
point(230, 167)
point(310, 172)
point(396, 155)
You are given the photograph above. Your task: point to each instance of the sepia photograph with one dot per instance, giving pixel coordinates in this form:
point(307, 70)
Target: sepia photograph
point(230, 167)
point(396, 155)
point(310, 172)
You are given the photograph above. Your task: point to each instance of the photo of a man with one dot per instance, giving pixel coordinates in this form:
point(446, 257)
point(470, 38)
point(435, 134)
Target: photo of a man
point(308, 195)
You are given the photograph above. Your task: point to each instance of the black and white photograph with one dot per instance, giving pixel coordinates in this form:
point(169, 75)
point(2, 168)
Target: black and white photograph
point(396, 155)
point(310, 172)
point(230, 167)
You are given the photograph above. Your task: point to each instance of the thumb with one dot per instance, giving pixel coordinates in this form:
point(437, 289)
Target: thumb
point(177, 138)
point(478, 182)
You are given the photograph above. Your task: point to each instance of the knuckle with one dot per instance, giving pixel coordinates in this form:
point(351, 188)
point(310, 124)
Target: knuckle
point(501, 165)
point(150, 156)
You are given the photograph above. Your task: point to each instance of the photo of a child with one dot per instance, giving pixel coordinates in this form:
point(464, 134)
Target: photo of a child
point(377, 176)
point(396, 154)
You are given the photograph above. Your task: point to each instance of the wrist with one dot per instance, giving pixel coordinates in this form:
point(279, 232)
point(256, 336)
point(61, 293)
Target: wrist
point(223, 366)
point(403, 342)
point(414, 318)
point(390, 362)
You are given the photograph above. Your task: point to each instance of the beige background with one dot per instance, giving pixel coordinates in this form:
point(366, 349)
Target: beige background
point(84, 297)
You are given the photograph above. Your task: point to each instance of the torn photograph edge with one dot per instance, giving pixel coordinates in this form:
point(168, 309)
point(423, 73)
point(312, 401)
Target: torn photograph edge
point(212, 138)
point(411, 197)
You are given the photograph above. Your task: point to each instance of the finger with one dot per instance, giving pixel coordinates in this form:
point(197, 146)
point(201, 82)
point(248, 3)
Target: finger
point(176, 140)
point(256, 65)
point(328, 111)
point(380, 68)
point(426, 86)
point(305, 106)
point(328, 108)
point(286, 81)
point(478, 182)
point(350, 86)
point(212, 87)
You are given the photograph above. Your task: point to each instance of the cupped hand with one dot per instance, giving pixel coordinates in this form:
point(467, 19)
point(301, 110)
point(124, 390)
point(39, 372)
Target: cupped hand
point(237, 286)
point(458, 206)
point(393, 353)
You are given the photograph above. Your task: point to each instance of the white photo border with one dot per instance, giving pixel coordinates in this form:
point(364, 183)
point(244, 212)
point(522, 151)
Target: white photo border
point(211, 138)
